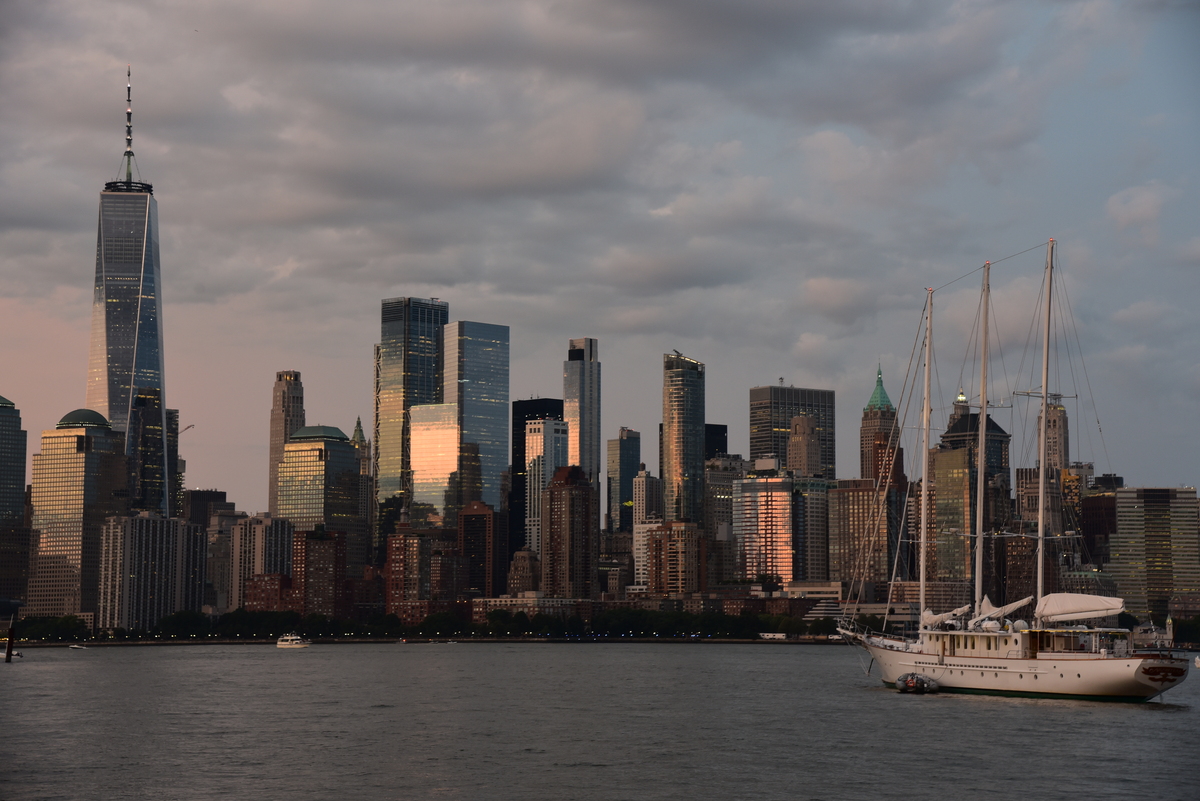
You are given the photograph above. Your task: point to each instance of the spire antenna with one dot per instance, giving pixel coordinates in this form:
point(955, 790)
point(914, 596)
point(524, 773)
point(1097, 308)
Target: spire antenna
point(129, 124)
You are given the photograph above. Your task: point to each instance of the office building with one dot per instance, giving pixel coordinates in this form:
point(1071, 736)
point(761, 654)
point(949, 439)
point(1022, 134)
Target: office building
point(681, 447)
point(674, 556)
point(570, 535)
point(581, 406)
point(14, 534)
point(803, 456)
point(522, 412)
point(771, 411)
point(624, 462)
point(764, 527)
point(475, 382)
point(319, 483)
point(547, 444)
point(79, 481)
point(647, 496)
point(125, 361)
point(879, 417)
point(1155, 553)
point(865, 543)
point(319, 568)
point(287, 415)
point(483, 549)
point(408, 372)
point(259, 545)
point(150, 567)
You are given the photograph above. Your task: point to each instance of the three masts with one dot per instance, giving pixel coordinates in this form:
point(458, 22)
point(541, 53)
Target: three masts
point(975, 648)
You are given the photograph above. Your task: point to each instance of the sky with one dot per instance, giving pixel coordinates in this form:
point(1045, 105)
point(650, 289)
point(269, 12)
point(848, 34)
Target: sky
point(767, 186)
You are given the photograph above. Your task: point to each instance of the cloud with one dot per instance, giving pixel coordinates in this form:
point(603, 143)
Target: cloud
point(1141, 207)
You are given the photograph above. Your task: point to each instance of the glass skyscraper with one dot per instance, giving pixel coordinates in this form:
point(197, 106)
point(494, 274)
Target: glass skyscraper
point(624, 458)
point(771, 411)
point(476, 381)
point(125, 363)
point(581, 406)
point(408, 372)
point(681, 445)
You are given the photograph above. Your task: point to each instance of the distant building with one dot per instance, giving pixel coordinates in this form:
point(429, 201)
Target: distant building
point(483, 546)
point(287, 415)
point(675, 553)
point(14, 533)
point(878, 418)
point(581, 407)
point(319, 584)
point(319, 482)
point(804, 447)
point(79, 481)
point(150, 567)
point(716, 440)
point(547, 444)
point(522, 412)
point(570, 535)
point(647, 496)
point(771, 411)
point(259, 545)
point(1155, 554)
point(764, 528)
point(624, 461)
point(408, 372)
point(681, 450)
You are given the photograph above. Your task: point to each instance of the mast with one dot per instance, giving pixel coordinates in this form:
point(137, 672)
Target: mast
point(926, 413)
point(981, 456)
point(1042, 430)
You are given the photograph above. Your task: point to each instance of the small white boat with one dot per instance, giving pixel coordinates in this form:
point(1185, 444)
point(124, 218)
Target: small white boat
point(78, 647)
point(292, 641)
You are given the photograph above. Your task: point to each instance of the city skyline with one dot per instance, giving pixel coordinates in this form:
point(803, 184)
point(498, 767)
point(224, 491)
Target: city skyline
point(746, 236)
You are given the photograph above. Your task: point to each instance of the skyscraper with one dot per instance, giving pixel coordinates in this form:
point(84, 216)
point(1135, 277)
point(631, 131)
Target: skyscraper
point(1155, 553)
point(581, 406)
point(546, 449)
point(14, 536)
point(319, 483)
point(287, 415)
point(771, 411)
point(624, 458)
point(879, 416)
point(408, 372)
point(150, 567)
point(475, 381)
point(681, 456)
point(522, 412)
point(570, 536)
point(79, 480)
point(125, 363)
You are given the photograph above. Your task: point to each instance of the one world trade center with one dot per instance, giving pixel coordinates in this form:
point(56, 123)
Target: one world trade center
point(125, 365)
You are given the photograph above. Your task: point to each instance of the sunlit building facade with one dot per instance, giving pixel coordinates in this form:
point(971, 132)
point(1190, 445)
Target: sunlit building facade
point(546, 449)
point(681, 456)
point(79, 480)
point(408, 372)
point(581, 406)
point(434, 465)
point(523, 411)
point(319, 483)
point(1155, 552)
point(764, 527)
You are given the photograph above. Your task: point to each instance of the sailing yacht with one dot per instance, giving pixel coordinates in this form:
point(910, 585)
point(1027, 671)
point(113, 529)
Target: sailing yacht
point(977, 649)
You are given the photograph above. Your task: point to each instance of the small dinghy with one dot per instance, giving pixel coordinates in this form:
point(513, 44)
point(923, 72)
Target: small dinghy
point(916, 683)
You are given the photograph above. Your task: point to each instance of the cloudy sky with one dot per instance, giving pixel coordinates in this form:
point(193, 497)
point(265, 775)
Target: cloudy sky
point(765, 185)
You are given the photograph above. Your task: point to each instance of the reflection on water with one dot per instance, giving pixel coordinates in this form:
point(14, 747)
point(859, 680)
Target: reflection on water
point(553, 721)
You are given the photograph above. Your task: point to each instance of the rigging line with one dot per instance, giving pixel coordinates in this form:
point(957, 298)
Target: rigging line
point(1083, 366)
point(994, 262)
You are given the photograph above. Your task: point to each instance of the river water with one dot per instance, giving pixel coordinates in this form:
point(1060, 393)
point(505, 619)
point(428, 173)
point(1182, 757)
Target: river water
point(558, 721)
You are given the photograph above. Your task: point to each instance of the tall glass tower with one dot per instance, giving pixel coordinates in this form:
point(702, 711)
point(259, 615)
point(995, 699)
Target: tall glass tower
point(581, 406)
point(681, 444)
point(125, 363)
point(408, 372)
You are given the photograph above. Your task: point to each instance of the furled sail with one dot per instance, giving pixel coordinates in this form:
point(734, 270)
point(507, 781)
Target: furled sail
point(988, 611)
point(1060, 606)
point(930, 620)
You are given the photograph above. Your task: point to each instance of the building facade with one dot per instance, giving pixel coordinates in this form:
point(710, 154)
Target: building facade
point(522, 412)
point(771, 411)
point(475, 382)
point(581, 406)
point(408, 372)
point(570, 535)
point(287, 415)
point(79, 481)
point(547, 448)
point(681, 447)
point(1155, 553)
point(14, 535)
point(624, 461)
point(879, 417)
point(150, 567)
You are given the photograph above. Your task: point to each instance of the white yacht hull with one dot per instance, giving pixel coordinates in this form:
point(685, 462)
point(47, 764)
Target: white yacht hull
point(1134, 677)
